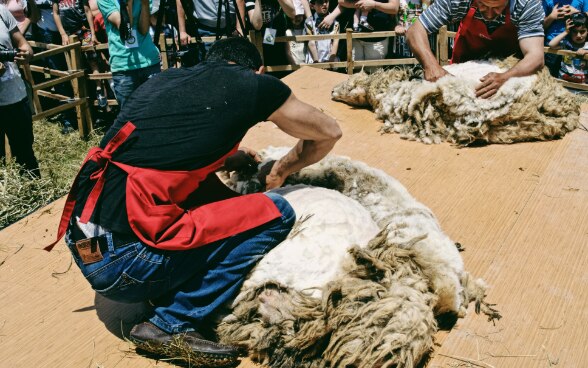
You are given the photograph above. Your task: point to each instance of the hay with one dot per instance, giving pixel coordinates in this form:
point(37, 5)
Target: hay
point(59, 159)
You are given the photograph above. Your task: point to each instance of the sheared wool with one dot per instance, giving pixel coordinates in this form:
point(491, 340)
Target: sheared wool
point(528, 108)
point(373, 306)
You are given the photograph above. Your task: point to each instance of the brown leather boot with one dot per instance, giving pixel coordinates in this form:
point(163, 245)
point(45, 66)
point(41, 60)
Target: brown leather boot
point(187, 346)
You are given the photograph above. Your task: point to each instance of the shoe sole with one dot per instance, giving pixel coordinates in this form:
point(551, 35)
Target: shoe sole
point(179, 350)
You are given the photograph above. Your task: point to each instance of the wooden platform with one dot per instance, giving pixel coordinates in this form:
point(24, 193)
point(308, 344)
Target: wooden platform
point(520, 211)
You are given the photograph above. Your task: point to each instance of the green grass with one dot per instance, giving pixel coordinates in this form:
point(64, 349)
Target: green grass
point(59, 156)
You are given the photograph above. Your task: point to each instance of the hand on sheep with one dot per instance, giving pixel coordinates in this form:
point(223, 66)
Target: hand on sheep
point(435, 72)
point(491, 82)
point(244, 160)
point(268, 176)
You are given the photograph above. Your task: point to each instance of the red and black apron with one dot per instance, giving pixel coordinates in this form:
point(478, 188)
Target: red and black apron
point(153, 198)
point(473, 41)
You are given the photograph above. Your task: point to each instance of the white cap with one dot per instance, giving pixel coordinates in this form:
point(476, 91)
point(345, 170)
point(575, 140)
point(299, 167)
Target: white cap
point(298, 7)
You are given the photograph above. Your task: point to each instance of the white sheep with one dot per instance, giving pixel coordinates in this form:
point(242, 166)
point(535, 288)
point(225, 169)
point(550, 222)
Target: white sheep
point(529, 108)
point(358, 281)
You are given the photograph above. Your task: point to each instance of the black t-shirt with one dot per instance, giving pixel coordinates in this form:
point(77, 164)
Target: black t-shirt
point(72, 14)
point(185, 119)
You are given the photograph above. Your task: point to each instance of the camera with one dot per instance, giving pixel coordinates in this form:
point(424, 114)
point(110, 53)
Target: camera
point(578, 19)
point(7, 55)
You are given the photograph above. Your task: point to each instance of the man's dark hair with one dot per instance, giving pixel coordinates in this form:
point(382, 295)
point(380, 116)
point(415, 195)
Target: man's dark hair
point(237, 50)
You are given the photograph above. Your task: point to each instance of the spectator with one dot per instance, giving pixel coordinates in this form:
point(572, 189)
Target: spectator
point(408, 13)
point(321, 51)
point(98, 59)
point(133, 56)
point(25, 12)
point(360, 21)
point(205, 15)
point(296, 51)
point(573, 38)
point(45, 31)
point(15, 110)
point(267, 16)
point(98, 21)
point(554, 24)
point(380, 18)
point(71, 18)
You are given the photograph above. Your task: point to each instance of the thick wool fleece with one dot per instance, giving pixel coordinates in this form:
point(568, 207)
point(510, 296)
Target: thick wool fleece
point(529, 108)
point(373, 302)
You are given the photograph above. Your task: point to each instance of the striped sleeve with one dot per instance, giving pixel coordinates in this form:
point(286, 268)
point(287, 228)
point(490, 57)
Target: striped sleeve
point(249, 5)
point(528, 16)
point(443, 12)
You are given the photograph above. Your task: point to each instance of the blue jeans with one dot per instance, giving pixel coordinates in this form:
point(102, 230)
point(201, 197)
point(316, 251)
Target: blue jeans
point(125, 82)
point(186, 287)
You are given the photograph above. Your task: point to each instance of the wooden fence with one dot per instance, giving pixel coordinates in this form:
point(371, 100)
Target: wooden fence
point(77, 77)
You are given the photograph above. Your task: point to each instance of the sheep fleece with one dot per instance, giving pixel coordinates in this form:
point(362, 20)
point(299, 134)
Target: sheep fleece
point(528, 108)
point(358, 281)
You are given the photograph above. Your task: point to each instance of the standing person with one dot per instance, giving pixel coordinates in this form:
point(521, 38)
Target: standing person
point(380, 19)
point(45, 31)
point(205, 16)
point(25, 12)
point(554, 23)
point(573, 38)
point(15, 110)
point(147, 217)
point(497, 28)
point(322, 50)
point(269, 17)
point(133, 55)
point(296, 51)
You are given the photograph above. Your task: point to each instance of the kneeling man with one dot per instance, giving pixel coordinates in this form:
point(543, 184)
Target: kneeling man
point(147, 219)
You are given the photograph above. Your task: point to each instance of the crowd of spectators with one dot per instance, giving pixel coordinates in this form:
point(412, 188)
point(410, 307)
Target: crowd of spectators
point(132, 56)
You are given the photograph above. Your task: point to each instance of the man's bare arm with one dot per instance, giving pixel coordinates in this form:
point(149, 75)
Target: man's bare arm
point(418, 41)
point(532, 61)
point(318, 134)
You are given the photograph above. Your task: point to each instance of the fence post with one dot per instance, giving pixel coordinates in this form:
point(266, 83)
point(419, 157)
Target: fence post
point(163, 51)
point(29, 77)
point(79, 89)
point(258, 42)
point(442, 46)
point(349, 42)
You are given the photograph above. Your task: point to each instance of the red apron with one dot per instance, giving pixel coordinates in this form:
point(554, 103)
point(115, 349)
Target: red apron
point(153, 198)
point(473, 41)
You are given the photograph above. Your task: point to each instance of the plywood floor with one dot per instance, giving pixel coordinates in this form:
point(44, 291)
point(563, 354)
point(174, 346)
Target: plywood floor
point(520, 211)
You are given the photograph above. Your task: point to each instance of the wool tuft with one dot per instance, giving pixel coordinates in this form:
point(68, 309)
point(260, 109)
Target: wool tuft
point(528, 108)
point(358, 281)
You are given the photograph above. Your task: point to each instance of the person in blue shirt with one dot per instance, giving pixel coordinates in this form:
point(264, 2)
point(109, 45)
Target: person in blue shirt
point(133, 55)
point(554, 24)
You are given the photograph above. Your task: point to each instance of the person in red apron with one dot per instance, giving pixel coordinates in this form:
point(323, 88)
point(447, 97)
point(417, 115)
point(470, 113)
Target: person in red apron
point(488, 28)
point(147, 219)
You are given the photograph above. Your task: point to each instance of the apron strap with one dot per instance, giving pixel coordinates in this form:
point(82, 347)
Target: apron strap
point(102, 157)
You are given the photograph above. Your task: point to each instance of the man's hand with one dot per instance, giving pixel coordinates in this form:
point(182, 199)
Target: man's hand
point(435, 72)
point(490, 84)
point(64, 39)
point(400, 30)
point(327, 21)
point(244, 160)
point(557, 12)
point(269, 177)
point(569, 25)
point(2, 69)
point(184, 38)
point(23, 56)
